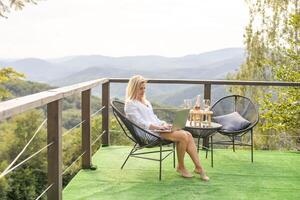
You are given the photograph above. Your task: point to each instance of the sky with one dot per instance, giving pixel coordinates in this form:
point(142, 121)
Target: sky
point(172, 28)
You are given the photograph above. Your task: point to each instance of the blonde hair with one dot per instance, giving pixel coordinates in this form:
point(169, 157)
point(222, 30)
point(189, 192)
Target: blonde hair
point(133, 86)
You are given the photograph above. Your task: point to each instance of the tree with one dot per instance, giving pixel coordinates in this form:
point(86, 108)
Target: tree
point(7, 74)
point(281, 108)
point(265, 36)
point(28, 180)
point(7, 5)
point(3, 182)
point(272, 45)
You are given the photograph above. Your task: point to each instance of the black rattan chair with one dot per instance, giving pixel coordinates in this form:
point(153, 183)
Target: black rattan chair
point(141, 137)
point(245, 107)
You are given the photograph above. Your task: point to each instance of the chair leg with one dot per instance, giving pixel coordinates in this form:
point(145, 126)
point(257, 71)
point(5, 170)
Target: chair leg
point(174, 154)
point(233, 147)
point(206, 149)
point(198, 145)
point(128, 156)
point(212, 151)
point(160, 160)
point(252, 145)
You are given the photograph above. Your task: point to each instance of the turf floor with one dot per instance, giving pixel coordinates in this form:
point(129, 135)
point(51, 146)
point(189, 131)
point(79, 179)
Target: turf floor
point(273, 175)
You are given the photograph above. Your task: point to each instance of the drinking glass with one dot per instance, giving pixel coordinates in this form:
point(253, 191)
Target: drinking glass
point(187, 103)
point(206, 103)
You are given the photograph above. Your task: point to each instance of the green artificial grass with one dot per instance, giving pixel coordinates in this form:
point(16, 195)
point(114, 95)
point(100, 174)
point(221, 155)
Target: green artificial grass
point(273, 175)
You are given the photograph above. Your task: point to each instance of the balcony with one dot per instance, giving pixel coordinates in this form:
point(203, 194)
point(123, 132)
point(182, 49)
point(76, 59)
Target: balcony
point(272, 175)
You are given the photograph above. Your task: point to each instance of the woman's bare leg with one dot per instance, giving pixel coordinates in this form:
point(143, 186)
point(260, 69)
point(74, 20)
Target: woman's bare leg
point(181, 140)
point(192, 151)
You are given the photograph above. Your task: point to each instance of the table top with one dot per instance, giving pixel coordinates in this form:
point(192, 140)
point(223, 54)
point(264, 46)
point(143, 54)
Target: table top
point(213, 126)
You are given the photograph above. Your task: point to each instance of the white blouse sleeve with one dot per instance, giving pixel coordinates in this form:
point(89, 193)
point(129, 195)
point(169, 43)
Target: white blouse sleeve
point(133, 114)
point(160, 122)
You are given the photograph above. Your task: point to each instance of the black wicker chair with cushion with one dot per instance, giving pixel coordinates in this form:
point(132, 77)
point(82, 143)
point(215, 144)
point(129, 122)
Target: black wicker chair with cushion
point(238, 115)
point(142, 138)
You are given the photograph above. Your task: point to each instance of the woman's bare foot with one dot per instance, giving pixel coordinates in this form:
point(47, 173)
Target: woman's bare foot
point(183, 172)
point(202, 174)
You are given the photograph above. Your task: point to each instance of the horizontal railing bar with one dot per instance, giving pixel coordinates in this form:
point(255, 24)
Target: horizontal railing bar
point(116, 130)
point(24, 148)
point(79, 87)
point(21, 163)
point(284, 136)
point(95, 113)
point(21, 104)
point(77, 125)
point(73, 163)
point(44, 192)
point(98, 138)
point(212, 82)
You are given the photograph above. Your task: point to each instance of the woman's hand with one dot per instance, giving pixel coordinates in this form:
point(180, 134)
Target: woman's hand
point(167, 126)
point(160, 127)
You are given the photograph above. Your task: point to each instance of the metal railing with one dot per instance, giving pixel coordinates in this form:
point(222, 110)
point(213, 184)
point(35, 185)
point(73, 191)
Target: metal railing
point(53, 100)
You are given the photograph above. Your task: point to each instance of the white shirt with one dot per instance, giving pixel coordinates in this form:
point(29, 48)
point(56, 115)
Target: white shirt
point(141, 114)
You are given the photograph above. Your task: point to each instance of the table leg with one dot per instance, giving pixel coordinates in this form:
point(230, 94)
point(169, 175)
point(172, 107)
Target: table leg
point(212, 150)
point(205, 142)
point(198, 144)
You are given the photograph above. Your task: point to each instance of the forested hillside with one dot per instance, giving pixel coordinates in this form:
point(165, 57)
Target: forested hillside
point(30, 179)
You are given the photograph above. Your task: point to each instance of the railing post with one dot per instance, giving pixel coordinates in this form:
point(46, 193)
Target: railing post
point(86, 128)
point(207, 91)
point(105, 113)
point(207, 95)
point(54, 135)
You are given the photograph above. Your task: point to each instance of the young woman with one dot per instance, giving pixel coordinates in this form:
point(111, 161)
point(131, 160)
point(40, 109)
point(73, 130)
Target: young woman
point(139, 110)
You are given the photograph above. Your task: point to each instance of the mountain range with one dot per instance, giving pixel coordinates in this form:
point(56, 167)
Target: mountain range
point(74, 69)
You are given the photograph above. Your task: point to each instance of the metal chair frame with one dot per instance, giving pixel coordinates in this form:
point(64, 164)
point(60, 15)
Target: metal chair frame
point(233, 135)
point(138, 143)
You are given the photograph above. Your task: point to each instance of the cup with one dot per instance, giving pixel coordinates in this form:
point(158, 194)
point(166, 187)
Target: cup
point(206, 103)
point(187, 103)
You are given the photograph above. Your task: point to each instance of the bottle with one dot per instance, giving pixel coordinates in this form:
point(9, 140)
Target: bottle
point(197, 105)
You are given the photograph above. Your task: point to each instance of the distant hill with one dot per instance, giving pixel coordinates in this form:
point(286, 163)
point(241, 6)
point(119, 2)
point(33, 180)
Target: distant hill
point(177, 96)
point(19, 88)
point(203, 66)
point(74, 69)
point(53, 70)
point(37, 69)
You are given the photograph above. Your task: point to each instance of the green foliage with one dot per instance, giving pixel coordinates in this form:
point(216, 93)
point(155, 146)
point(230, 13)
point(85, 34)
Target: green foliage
point(272, 44)
point(23, 183)
point(4, 186)
point(281, 108)
point(18, 88)
point(71, 117)
point(7, 74)
point(28, 180)
point(117, 135)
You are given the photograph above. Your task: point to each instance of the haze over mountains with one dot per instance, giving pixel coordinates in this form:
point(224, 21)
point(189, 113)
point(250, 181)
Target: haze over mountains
point(70, 70)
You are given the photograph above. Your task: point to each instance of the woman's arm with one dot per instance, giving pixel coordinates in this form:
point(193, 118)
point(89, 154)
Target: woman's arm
point(133, 114)
point(160, 122)
point(155, 127)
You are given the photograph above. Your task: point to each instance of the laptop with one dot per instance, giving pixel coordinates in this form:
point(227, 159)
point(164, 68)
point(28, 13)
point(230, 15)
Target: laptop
point(179, 121)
